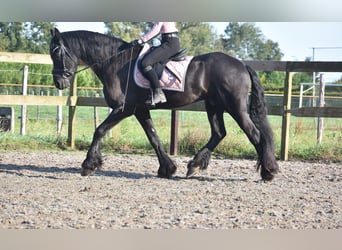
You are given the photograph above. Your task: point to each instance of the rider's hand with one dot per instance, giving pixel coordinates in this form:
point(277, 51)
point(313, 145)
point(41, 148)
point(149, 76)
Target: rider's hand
point(137, 42)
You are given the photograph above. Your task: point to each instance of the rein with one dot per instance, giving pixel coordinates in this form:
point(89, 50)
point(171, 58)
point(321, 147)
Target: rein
point(128, 74)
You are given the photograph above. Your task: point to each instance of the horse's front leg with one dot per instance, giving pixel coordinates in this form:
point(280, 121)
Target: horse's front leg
point(166, 166)
point(94, 160)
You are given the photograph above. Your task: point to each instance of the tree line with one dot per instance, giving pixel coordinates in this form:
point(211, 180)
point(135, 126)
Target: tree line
point(242, 40)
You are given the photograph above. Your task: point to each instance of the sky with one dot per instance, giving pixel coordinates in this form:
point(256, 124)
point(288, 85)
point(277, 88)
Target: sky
point(297, 40)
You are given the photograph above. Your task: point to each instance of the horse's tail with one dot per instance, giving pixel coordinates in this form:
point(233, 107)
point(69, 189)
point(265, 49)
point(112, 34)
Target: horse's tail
point(258, 114)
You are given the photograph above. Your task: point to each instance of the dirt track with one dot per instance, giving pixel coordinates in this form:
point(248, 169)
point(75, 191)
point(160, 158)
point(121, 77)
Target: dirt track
point(45, 190)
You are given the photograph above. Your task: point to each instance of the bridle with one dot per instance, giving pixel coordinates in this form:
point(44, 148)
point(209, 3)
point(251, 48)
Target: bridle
point(66, 73)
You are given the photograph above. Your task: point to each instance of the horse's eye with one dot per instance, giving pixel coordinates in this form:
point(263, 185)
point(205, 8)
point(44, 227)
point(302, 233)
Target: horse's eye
point(67, 74)
point(54, 50)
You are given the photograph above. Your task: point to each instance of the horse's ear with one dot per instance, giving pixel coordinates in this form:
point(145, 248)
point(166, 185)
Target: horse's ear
point(55, 33)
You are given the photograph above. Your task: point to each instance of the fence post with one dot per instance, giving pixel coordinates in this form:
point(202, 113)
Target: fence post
point(320, 104)
point(174, 133)
point(59, 115)
point(110, 132)
point(12, 120)
point(24, 107)
point(72, 114)
point(285, 130)
point(96, 114)
point(301, 96)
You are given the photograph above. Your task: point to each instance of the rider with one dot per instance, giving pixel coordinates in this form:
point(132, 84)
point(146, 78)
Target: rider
point(168, 47)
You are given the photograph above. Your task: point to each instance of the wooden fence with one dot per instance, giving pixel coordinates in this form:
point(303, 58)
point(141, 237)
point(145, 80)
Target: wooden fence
point(285, 110)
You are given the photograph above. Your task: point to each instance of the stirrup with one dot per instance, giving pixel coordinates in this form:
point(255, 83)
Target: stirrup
point(156, 97)
point(150, 100)
point(159, 97)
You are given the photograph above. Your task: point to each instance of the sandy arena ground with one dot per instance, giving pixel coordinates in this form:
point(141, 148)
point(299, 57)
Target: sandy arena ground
point(46, 190)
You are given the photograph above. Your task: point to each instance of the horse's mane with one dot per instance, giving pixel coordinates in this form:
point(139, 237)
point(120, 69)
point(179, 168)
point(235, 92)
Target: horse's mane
point(90, 35)
point(101, 45)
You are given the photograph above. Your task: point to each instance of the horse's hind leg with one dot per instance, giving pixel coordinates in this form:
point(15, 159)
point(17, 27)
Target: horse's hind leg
point(262, 144)
point(218, 132)
point(247, 125)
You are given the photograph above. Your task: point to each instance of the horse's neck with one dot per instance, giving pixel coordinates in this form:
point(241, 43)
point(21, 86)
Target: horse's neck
point(101, 57)
point(96, 56)
point(90, 51)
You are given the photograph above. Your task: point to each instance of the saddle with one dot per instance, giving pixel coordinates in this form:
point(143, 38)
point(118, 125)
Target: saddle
point(171, 72)
point(179, 56)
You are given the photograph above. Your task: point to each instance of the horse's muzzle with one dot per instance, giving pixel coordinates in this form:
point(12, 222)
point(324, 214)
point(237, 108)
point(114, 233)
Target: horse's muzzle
point(61, 83)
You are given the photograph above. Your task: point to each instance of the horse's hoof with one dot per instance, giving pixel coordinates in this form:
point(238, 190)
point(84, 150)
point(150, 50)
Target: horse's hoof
point(192, 171)
point(267, 177)
point(165, 174)
point(86, 172)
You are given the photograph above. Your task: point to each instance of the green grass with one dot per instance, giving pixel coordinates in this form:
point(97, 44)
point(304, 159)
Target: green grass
point(194, 132)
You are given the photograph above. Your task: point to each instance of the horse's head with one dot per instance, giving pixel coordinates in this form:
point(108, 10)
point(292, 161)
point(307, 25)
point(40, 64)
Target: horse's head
point(64, 63)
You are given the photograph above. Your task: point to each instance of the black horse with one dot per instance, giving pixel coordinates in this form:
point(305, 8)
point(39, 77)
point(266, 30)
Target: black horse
point(222, 81)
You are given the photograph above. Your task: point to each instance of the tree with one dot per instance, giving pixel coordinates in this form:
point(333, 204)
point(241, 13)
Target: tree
point(32, 37)
point(38, 35)
point(198, 37)
point(4, 41)
point(11, 36)
point(247, 42)
point(127, 31)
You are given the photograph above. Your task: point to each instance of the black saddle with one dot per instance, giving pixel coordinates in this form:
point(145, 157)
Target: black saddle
point(179, 56)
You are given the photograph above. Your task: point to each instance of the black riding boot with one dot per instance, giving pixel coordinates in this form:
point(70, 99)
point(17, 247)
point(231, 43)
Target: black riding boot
point(158, 95)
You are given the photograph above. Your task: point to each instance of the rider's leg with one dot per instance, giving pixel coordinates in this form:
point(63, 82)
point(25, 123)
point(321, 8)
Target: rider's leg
point(169, 47)
point(158, 94)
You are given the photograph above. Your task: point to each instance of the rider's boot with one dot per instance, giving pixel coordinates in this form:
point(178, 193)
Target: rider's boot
point(157, 96)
